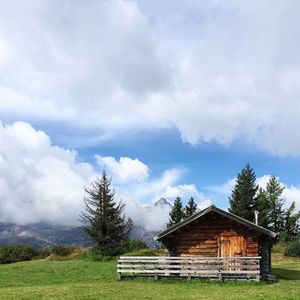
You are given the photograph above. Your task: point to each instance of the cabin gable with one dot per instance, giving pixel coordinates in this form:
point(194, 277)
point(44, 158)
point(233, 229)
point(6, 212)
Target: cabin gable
point(213, 235)
point(216, 233)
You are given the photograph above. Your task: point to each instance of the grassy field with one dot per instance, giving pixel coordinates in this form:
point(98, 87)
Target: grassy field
point(84, 279)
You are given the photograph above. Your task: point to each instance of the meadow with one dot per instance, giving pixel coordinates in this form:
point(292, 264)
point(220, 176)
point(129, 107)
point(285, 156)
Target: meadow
point(78, 278)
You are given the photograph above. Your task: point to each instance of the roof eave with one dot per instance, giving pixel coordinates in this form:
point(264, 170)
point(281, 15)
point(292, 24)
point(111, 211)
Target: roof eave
point(246, 222)
point(220, 211)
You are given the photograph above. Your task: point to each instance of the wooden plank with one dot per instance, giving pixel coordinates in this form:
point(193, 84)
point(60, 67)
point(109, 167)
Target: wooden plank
point(237, 270)
point(190, 257)
point(240, 267)
point(198, 262)
point(179, 267)
point(188, 272)
point(240, 272)
point(198, 248)
point(191, 266)
point(169, 271)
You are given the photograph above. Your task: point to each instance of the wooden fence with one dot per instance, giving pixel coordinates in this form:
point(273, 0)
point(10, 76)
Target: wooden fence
point(238, 268)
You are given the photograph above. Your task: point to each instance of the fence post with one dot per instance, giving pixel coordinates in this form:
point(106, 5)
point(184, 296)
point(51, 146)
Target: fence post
point(119, 273)
point(219, 269)
point(189, 269)
point(155, 268)
point(258, 267)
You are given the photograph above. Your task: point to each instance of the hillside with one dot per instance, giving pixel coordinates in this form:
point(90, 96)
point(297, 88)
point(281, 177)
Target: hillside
point(83, 279)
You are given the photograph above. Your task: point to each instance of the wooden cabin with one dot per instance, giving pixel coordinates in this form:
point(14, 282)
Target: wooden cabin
point(214, 232)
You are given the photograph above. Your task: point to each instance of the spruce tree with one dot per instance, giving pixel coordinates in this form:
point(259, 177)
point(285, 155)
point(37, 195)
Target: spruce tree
point(274, 197)
point(105, 223)
point(177, 213)
point(190, 208)
point(243, 199)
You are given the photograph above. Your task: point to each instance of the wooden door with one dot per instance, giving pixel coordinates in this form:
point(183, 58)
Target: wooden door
point(232, 246)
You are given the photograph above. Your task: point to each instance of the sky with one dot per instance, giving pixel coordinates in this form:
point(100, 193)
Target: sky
point(171, 98)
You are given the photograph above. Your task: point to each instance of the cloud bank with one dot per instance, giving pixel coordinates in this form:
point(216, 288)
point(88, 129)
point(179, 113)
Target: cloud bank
point(219, 72)
point(41, 182)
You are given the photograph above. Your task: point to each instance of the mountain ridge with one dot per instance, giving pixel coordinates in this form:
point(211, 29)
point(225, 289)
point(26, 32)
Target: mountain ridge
point(48, 235)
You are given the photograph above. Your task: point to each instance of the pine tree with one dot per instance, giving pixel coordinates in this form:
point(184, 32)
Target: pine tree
point(177, 213)
point(105, 223)
point(274, 197)
point(243, 199)
point(291, 224)
point(190, 208)
point(263, 207)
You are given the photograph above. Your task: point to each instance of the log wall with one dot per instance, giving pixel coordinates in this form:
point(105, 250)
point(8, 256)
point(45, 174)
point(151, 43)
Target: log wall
point(214, 235)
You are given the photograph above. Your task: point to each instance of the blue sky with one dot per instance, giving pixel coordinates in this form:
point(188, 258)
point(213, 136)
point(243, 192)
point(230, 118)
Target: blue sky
point(171, 98)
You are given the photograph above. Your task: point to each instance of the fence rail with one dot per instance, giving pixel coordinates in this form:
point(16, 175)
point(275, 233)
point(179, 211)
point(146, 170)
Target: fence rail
point(239, 268)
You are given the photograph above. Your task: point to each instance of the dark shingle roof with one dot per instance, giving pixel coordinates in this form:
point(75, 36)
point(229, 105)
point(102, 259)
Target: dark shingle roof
point(217, 210)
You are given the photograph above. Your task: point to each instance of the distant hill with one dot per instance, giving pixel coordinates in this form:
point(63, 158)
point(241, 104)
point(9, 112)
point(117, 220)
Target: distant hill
point(43, 234)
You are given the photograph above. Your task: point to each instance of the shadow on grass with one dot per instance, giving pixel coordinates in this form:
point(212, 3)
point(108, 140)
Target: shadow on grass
point(194, 281)
point(286, 274)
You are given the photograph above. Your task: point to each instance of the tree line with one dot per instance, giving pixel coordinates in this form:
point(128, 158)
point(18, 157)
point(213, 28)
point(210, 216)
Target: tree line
point(247, 196)
point(108, 227)
point(179, 213)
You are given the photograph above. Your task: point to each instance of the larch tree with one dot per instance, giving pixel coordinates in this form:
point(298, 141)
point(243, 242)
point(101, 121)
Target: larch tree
point(103, 217)
point(263, 207)
point(291, 224)
point(177, 212)
point(243, 199)
point(273, 216)
point(275, 200)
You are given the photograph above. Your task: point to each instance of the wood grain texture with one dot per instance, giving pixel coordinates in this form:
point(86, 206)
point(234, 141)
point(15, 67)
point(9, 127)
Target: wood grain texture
point(215, 235)
point(192, 266)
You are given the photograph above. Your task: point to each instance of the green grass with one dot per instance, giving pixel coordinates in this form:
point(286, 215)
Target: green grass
point(83, 279)
point(286, 268)
point(146, 252)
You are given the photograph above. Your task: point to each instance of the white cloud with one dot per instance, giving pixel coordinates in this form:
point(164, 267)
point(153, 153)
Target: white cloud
point(4, 51)
point(215, 70)
point(140, 192)
point(168, 186)
point(292, 193)
point(41, 182)
point(140, 197)
point(150, 217)
point(263, 180)
point(89, 64)
point(185, 191)
point(124, 170)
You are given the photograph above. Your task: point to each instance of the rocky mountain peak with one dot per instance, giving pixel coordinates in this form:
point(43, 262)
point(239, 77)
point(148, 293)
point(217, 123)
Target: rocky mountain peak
point(162, 202)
